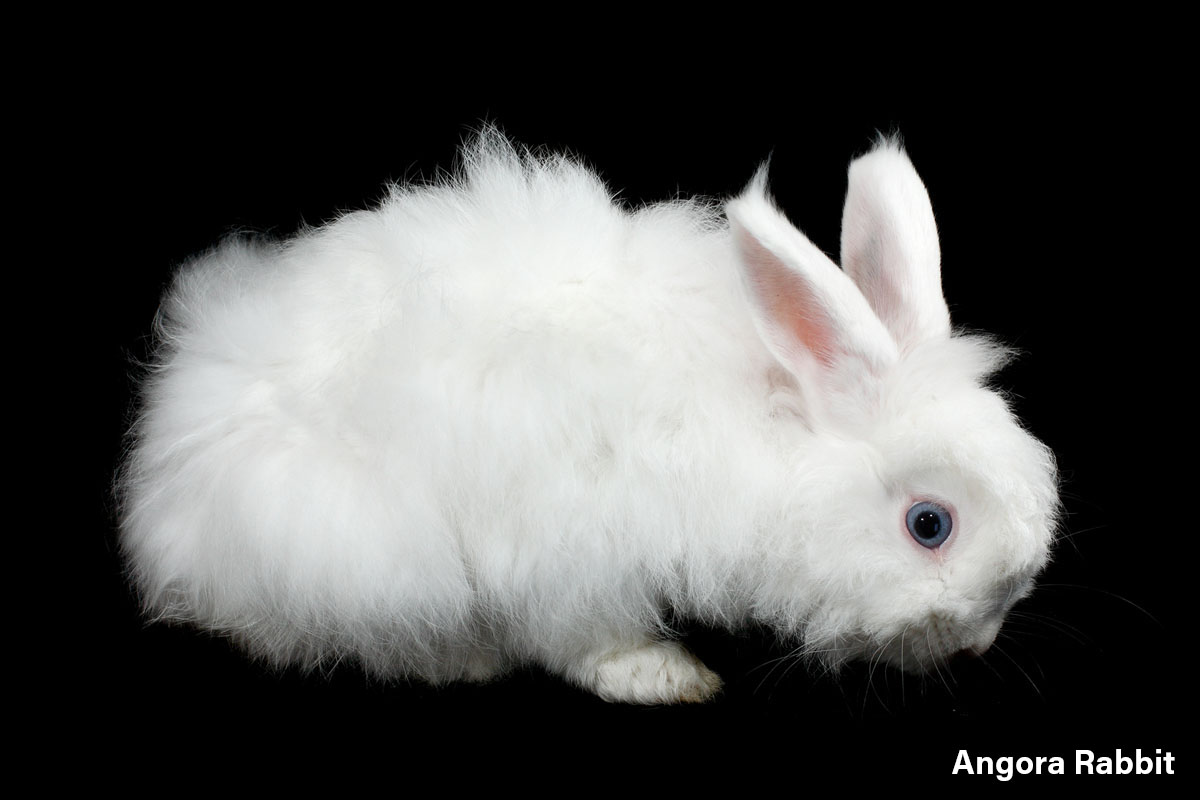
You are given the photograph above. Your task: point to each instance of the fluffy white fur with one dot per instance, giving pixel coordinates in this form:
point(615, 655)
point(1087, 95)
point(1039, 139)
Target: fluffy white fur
point(502, 420)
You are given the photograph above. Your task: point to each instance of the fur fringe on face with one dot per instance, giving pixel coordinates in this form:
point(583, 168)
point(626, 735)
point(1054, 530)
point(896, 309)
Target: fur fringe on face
point(502, 420)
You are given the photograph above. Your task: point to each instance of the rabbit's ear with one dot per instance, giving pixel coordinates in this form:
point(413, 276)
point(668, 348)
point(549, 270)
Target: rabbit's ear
point(811, 315)
point(890, 245)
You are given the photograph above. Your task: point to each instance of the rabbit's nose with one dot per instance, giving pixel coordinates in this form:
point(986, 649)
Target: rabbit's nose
point(984, 642)
point(983, 636)
point(977, 650)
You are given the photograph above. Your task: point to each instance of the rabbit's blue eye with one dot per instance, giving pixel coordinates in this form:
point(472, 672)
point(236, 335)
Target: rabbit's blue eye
point(928, 523)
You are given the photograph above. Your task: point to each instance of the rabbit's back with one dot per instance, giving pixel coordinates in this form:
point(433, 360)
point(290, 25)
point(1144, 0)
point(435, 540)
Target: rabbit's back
point(502, 401)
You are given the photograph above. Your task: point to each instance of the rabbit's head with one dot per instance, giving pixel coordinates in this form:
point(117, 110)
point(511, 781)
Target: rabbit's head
point(923, 509)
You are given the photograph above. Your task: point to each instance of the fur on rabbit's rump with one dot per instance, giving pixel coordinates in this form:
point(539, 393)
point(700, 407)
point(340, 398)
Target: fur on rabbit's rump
point(501, 420)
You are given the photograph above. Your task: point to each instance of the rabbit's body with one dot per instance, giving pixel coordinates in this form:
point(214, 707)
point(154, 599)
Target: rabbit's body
point(506, 421)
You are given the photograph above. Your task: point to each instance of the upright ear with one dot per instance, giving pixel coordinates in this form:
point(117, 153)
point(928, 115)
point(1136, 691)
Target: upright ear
point(810, 314)
point(890, 246)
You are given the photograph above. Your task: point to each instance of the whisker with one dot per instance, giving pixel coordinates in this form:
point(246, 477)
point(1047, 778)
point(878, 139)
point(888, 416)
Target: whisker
point(1113, 595)
point(873, 664)
point(1020, 669)
point(795, 654)
point(1015, 618)
point(936, 666)
point(1069, 534)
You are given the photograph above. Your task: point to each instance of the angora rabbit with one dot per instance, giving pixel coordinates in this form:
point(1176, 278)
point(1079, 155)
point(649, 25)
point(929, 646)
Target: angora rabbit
point(503, 421)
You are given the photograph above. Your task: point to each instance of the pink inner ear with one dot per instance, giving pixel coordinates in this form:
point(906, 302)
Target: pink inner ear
point(882, 291)
point(788, 300)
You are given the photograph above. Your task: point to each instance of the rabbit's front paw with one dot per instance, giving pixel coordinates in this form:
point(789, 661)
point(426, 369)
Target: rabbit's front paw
point(655, 672)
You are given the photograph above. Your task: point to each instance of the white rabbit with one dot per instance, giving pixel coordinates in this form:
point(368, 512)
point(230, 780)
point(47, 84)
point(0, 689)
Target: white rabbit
point(503, 421)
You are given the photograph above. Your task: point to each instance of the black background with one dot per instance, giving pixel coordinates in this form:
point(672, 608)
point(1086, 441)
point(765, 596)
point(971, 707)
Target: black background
point(1054, 179)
